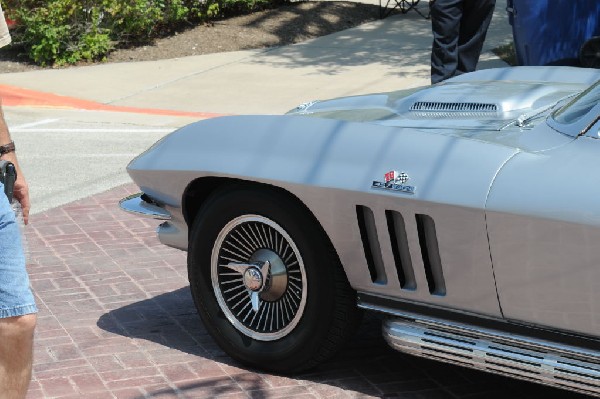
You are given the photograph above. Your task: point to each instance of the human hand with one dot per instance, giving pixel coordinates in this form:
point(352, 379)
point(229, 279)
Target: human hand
point(21, 194)
point(21, 188)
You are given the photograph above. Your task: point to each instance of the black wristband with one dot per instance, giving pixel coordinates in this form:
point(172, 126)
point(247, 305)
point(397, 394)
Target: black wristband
point(5, 149)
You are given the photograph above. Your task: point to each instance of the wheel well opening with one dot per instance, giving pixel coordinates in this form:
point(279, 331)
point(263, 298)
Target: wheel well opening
point(196, 194)
point(200, 189)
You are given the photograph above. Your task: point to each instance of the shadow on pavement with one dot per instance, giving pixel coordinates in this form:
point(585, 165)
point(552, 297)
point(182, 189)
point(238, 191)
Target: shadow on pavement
point(366, 368)
point(171, 320)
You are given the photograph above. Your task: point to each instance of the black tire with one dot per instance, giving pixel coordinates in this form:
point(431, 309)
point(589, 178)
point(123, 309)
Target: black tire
point(291, 341)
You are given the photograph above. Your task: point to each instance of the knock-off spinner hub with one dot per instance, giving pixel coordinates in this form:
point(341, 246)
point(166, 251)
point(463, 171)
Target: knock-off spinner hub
point(253, 279)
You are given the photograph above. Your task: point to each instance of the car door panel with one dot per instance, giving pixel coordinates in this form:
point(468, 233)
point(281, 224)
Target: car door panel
point(543, 216)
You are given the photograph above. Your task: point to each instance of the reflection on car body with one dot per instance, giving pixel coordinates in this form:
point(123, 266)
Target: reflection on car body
point(467, 212)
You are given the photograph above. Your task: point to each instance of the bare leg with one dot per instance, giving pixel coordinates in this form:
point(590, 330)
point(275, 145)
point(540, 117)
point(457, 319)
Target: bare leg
point(16, 355)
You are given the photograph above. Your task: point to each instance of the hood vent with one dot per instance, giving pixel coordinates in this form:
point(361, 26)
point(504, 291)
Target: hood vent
point(463, 109)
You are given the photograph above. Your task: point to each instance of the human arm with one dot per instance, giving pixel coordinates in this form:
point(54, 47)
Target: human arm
point(21, 189)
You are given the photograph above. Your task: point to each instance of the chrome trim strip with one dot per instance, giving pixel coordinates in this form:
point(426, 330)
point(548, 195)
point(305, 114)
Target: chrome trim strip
point(136, 205)
point(539, 344)
point(580, 127)
point(517, 356)
point(496, 352)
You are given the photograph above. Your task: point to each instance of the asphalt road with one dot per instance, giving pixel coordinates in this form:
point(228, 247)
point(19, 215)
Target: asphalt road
point(67, 155)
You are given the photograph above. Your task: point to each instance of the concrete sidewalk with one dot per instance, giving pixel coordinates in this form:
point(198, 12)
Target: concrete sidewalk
point(384, 55)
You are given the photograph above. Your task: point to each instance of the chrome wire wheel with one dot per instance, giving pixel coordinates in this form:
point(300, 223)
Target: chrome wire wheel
point(258, 277)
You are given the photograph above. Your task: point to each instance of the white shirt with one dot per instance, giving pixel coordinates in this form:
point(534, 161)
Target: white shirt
point(4, 35)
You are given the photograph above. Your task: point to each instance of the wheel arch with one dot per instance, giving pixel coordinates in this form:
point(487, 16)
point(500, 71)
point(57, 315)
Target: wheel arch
point(199, 190)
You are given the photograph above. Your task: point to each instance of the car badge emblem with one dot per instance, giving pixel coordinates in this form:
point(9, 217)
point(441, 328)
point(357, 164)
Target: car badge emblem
point(394, 181)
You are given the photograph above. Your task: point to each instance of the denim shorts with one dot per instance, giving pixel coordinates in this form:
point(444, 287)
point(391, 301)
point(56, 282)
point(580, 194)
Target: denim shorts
point(16, 298)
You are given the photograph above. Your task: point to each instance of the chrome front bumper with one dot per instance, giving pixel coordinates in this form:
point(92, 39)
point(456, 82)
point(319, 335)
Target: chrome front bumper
point(137, 204)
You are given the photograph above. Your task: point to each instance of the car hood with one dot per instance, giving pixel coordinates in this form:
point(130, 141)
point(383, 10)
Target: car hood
point(477, 105)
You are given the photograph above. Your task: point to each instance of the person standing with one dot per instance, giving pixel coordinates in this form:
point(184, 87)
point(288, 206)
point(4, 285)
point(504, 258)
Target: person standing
point(17, 304)
point(459, 29)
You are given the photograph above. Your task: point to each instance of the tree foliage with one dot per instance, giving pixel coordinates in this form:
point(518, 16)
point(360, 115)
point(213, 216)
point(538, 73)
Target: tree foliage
point(59, 32)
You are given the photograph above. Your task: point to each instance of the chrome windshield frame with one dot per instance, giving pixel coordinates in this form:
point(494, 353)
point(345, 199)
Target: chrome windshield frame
point(582, 125)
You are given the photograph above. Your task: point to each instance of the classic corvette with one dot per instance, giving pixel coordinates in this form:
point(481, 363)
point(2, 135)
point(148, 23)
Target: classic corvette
point(467, 212)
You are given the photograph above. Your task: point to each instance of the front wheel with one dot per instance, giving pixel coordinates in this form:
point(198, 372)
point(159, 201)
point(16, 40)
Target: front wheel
point(266, 281)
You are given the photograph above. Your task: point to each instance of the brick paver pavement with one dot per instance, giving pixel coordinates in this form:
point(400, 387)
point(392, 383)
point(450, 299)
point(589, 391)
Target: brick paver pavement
point(117, 321)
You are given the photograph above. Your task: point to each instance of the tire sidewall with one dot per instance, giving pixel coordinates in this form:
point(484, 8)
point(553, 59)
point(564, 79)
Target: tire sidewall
point(303, 342)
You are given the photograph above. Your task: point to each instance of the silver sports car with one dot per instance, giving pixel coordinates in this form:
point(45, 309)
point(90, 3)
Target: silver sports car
point(467, 212)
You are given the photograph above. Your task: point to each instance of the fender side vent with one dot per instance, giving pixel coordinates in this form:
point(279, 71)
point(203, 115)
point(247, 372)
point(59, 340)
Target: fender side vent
point(431, 255)
point(370, 242)
point(404, 267)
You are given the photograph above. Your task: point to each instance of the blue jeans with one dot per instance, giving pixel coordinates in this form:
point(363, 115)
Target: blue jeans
point(16, 298)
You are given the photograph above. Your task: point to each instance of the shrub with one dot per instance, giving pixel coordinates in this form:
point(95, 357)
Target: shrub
point(59, 32)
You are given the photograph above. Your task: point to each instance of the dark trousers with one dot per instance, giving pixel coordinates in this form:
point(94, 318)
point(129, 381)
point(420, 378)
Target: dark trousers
point(459, 29)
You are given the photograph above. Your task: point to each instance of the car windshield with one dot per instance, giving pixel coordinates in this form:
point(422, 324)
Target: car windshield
point(575, 110)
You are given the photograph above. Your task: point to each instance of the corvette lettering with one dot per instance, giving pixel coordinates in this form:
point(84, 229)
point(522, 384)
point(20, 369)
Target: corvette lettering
point(393, 187)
